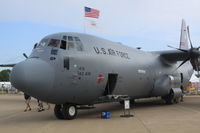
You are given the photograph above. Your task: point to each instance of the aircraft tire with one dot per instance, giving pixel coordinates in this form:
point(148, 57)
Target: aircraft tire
point(58, 111)
point(177, 100)
point(132, 101)
point(121, 102)
point(69, 111)
point(169, 99)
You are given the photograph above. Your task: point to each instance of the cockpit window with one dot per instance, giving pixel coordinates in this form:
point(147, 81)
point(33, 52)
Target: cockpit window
point(70, 38)
point(66, 43)
point(70, 45)
point(65, 38)
point(54, 43)
point(63, 44)
point(79, 45)
point(43, 42)
point(77, 39)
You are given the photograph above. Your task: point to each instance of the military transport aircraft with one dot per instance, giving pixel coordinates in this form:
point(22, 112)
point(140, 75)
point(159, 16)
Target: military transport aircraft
point(74, 69)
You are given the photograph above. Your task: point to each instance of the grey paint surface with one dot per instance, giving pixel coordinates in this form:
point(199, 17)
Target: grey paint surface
point(49, 81)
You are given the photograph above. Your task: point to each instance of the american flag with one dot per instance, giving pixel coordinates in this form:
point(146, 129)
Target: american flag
point(92, 13)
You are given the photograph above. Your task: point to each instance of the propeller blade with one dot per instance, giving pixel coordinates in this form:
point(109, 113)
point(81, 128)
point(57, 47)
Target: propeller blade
point(188, 31)
point(25, 55)
point(7, 65)
point(197, 66)
point(183, 62)
point(177, 48)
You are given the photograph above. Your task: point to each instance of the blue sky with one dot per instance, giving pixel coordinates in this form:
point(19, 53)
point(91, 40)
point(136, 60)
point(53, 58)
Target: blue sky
point(150, 24)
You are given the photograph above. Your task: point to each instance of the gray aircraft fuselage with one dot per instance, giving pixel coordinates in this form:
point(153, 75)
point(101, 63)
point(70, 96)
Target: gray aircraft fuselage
point(67, 75)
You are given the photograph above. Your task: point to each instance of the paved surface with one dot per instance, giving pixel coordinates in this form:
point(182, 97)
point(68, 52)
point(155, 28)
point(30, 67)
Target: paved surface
point(151, 116)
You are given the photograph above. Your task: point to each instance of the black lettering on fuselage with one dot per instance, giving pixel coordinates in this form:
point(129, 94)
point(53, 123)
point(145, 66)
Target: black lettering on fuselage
point(97, 50)
point(111, 52)
point(103, 50)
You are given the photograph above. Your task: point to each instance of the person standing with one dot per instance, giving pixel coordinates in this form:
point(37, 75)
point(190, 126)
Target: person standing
point(40, 105)
point(27, 101)
point(48, 106)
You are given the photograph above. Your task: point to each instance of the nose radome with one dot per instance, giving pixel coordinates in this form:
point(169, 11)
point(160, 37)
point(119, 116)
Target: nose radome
point(34, 77)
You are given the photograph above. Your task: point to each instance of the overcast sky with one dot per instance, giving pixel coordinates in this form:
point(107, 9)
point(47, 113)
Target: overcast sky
point(150, 24)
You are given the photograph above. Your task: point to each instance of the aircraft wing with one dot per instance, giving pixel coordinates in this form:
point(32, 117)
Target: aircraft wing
point(7, 65)
point(173, 55)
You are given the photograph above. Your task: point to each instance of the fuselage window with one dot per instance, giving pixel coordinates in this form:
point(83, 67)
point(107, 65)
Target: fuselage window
point(79, 45)
point(54, 43)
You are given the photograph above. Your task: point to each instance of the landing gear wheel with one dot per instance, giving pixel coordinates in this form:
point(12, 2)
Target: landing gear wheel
point(69, 111)
point(58, 111)
point(177, 100)
point(169, 99)
point(132, 101)
point(121, 102)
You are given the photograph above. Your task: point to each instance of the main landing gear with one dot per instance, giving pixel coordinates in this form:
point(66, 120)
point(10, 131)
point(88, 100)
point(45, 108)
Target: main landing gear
point(172, 98)
point(65, 111)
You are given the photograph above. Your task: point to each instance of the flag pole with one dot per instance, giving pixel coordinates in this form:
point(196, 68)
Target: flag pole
point(84, 25)
point(84, 22)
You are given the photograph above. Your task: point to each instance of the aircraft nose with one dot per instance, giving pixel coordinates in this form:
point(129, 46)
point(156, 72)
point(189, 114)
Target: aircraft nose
point(34, 77)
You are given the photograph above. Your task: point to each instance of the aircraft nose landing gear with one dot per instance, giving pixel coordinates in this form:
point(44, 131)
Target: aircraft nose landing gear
point(65, 111)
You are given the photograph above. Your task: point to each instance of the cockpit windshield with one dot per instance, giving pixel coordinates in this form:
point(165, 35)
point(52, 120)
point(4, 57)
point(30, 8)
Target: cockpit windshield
point(65, 43)
point(44, 42)
point(71, 43)
point(54, 43)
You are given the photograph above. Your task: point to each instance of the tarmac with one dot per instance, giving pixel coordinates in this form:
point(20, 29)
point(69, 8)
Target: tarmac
point(150, 116)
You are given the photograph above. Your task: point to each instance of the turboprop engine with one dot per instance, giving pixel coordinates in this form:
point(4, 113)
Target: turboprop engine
point(167, 84)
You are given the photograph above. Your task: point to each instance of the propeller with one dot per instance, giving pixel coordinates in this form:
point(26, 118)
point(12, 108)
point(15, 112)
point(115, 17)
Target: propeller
point(193, 54)
point(177, 48)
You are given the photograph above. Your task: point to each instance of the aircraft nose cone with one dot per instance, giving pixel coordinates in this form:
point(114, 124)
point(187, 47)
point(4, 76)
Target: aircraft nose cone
point(34, 77)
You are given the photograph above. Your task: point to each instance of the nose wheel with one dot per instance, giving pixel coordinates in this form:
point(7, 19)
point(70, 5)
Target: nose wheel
point(65, 111)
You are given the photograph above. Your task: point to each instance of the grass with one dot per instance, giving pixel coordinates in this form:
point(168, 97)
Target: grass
point(2, 91)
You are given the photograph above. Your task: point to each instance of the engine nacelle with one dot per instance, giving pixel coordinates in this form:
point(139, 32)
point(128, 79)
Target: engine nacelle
point(177, 92)
point(164, 84)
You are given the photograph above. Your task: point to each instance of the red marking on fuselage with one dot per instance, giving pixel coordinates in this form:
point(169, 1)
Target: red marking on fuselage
point(100, 78)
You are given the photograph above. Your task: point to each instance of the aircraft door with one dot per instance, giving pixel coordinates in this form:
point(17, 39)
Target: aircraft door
point(111, 83)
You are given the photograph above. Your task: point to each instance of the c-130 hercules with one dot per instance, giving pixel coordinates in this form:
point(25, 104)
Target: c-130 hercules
point(73, 69)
